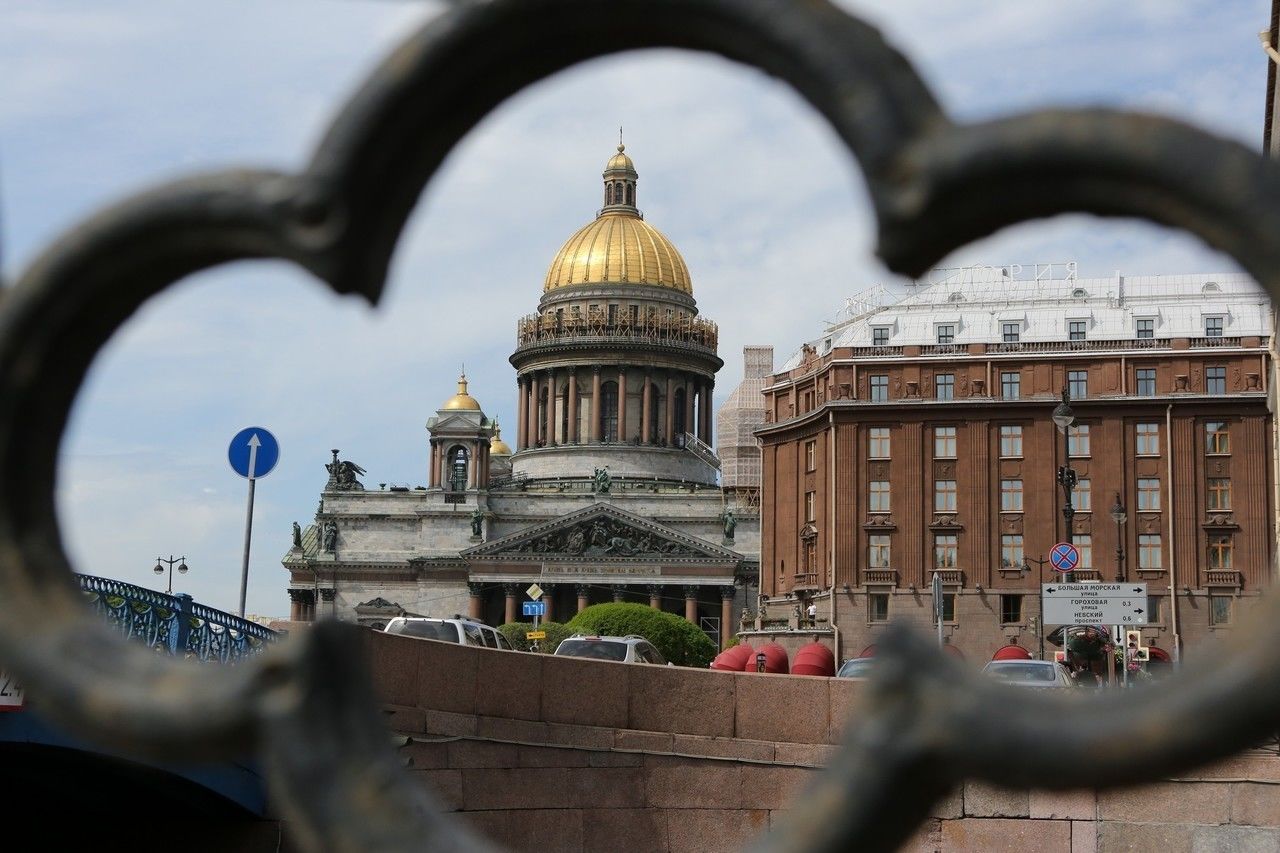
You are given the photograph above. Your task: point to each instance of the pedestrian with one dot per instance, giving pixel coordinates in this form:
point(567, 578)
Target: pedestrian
point(812, 613)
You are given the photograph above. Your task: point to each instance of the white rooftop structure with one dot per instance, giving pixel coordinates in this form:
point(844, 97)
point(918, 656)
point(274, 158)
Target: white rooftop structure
point(985, 304)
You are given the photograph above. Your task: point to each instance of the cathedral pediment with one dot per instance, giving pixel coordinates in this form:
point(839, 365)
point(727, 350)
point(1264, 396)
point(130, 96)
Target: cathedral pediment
point(601, 532)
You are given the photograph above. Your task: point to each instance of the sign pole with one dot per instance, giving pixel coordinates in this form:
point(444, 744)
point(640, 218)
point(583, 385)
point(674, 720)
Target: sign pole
point(248, 537)
point(253, 453)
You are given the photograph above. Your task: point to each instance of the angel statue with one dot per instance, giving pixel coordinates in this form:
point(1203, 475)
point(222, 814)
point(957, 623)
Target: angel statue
point(342, 475)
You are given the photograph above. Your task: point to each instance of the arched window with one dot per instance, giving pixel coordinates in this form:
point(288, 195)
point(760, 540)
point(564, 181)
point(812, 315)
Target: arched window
point(653, 417)
point(631, 194)
point(681, 427)
point(608, 411)
point(457, 468)
point(542, 416)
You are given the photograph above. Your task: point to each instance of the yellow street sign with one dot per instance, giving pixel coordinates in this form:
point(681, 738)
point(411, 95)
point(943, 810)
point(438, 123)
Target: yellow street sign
point(534, 591)
point(536, 635)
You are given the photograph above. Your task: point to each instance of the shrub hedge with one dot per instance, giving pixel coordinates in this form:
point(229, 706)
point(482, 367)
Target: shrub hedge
point(515, 634)
point(679, 641)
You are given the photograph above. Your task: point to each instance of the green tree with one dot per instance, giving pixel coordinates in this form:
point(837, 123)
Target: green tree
point(679, 641)
point(515, 633)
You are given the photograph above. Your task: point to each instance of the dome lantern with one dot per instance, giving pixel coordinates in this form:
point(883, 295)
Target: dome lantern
point(461, 400)
point(620, 181)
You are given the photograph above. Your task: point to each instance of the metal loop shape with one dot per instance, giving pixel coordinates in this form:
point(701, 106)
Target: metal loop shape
point(934, 186)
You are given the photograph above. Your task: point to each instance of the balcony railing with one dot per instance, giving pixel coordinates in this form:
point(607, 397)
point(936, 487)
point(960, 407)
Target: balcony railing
point(542, 329)
point(880, 576)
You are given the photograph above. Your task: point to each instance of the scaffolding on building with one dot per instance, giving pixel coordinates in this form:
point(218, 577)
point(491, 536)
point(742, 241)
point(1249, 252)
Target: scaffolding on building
point(736, 422)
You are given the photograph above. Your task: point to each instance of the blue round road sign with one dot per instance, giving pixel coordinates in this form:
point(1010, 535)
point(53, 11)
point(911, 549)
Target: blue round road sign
point(1064, 557)
point(253, 453)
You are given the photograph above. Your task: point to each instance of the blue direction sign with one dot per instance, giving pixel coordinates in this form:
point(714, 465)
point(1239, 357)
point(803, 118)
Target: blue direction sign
point(1065, 557)
point(253, 453)
point(535, 608)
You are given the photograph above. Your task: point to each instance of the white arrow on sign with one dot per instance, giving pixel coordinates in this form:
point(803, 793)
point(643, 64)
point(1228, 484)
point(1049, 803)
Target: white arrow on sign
point(254, 444)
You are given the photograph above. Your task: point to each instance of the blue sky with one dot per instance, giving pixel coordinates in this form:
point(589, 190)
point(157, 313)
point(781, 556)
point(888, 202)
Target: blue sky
point(102, 100)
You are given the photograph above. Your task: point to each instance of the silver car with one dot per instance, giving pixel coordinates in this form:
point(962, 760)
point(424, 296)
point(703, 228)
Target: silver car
point(1030, 673)
point(629, 649)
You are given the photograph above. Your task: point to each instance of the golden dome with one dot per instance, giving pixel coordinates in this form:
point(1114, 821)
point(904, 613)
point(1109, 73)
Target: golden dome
point(618, 248)
point(498, 447)
point(462, 400)
point(620, 161)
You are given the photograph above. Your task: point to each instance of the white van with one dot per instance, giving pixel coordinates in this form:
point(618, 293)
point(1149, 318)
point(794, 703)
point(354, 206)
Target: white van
point(459, 629)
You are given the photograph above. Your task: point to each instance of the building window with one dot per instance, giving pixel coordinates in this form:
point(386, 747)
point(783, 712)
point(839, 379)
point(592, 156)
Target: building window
point(1155, 603)
point(1148, 494)
point(810, 455)
point(609, 411)
point(946, 334)
point(1215, 380)
point(1146, 328)
point(1146, 381)
point(1217, 437)
point(944, 551)
point(1011, 551)
point(880, 336)
point(810, 556)
point(878, 607)
point(808, 402)
point(1082, 496)
point(879, 496)
point(879, 388)
point(1078, 440)
point(1147, 439)
point(1149, 551)
point(1213, 327)
point(878, 552)
point(1010, 385)
point(1084, 544)
point(1220, 552)
point(1011, 442)
point(944, 442)
point(810, 501)
point(1219, 610)
point(944, 386)
point(948, 607)
point(1078, 384)
point(944, 495)
point(1011, 332)
point(1011, 496)
point(1219, 493)
point(1076, 329)
point(1010, 609)
point(458, 469)
point(878, 443)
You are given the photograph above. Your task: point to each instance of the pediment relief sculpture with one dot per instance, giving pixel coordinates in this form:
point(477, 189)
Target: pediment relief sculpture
point(604, 537)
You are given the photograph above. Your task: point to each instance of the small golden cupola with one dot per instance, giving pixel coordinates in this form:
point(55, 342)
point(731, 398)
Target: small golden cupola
point(618, 246)
point(461, 400)
point(498, 447)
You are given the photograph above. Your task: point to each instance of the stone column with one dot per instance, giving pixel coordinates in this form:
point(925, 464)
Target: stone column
point(531, 428)
point(618, 589)
point(726, 614)
point(329, 595)
point(593, 423)
point(690, 389)
point(655, 596)
point(572, 437)
point(583, 600)
point(671, 409)
point(705, 425)
point(691, 604)
point(475, 603)
point(646, 409)
point(295, 605)
point(473, 465)
point(551, 408)
point(509, 615)
point(622, 404)
point(522, 418)
point(433, 476)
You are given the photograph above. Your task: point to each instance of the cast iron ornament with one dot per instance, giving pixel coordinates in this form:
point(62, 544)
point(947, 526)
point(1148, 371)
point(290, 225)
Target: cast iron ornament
point(307, 706)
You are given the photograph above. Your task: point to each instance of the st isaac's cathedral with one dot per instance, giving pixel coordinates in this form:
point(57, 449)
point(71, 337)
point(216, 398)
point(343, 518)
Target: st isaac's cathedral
point(613, 492)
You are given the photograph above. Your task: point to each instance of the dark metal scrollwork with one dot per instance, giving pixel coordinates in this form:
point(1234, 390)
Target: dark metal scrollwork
point(934, 185)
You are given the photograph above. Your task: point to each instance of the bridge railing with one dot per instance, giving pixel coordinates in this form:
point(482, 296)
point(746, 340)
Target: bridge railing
point(174, 623)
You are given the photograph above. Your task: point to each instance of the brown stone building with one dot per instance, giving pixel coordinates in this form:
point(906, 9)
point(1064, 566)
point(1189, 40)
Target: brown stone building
point(916, 439)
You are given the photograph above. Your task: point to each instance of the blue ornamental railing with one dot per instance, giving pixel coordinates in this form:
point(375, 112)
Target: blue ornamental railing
point(174, 623)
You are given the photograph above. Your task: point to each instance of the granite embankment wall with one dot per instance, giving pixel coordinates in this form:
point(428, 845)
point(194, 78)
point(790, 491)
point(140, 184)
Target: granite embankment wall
point(555, 754)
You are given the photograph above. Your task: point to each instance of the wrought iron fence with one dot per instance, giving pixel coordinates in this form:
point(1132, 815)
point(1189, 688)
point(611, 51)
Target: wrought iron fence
point(174, 623)
point(934, 185)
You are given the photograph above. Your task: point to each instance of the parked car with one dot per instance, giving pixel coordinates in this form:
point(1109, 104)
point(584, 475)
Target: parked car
point(459, 629)
point(1042, 674)
point(856, 668)
point(628, 649)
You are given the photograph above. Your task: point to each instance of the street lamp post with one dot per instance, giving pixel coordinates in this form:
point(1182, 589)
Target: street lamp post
point(182, 568)
point(1040, 563)
point(1120, 516)
point(1064, 418)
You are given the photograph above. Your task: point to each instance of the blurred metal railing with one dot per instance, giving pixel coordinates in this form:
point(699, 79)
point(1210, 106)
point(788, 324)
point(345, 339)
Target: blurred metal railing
point(307, 706)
